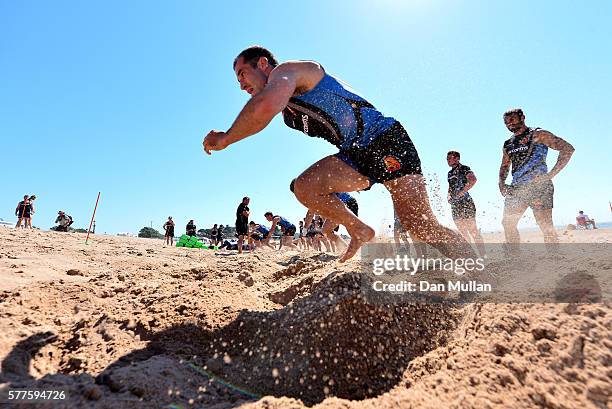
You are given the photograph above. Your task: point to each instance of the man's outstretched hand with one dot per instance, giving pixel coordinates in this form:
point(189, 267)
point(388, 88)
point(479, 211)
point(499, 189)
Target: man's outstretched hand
point(214, 141)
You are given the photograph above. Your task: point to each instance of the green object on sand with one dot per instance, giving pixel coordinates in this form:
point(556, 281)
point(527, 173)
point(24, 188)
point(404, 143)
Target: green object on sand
point(193, 242)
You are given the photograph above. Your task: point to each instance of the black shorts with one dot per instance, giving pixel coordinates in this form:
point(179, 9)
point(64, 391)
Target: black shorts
point(390, 156)
point(257, 237)
point(289, 231)
point(242, 228)
point(170, 232)
point(538, 196)
point(464, 209)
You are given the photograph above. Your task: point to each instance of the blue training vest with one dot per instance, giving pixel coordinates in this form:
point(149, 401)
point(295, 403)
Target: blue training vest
point(285, 223)
point(333, 112)
point(528, 158)
point(457, 180)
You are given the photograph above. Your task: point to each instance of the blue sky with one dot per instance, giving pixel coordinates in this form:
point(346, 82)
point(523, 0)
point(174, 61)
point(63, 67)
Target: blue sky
point(117, 96)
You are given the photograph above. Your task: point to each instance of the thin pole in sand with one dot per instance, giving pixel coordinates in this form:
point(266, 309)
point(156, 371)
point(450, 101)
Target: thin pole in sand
point(92, 217)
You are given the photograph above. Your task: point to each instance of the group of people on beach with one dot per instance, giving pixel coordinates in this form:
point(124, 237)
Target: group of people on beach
point(252, 235)
point(373, 148)
point(216, 232)
point(25, 210)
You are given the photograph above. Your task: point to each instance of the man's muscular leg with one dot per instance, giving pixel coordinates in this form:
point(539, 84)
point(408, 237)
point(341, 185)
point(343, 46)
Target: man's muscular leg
point(315, 189)
point(412, 206)
point(544, 220)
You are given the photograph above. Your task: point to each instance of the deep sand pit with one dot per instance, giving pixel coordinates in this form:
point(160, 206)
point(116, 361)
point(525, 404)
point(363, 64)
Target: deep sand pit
point(127, 323)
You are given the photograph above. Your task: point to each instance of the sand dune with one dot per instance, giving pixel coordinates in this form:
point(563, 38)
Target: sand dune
point(127, 323)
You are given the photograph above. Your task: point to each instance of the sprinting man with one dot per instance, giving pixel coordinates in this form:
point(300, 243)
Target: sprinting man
point(287, 228)
point(63, 221)
point(531, 183)
point(169, 231)
point(373, 148)
point(258, 236)
point(23, 212)
point(460, 180)
point(242, 221)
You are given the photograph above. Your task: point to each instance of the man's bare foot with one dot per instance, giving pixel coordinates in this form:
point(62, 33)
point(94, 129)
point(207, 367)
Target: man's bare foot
point(359, 236)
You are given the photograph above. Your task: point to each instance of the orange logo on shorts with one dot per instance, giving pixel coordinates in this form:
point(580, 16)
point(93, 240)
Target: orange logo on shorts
point(392, 163)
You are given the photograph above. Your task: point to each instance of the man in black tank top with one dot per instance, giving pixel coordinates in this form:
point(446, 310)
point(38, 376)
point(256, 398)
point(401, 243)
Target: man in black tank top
point(460, 180)
point(23, 212)
point(242, 221)
point(169, 232)
point(531, 184)
point(380, 152)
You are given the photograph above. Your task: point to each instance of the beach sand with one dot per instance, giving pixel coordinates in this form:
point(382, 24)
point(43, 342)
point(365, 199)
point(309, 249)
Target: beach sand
point(127, 323)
